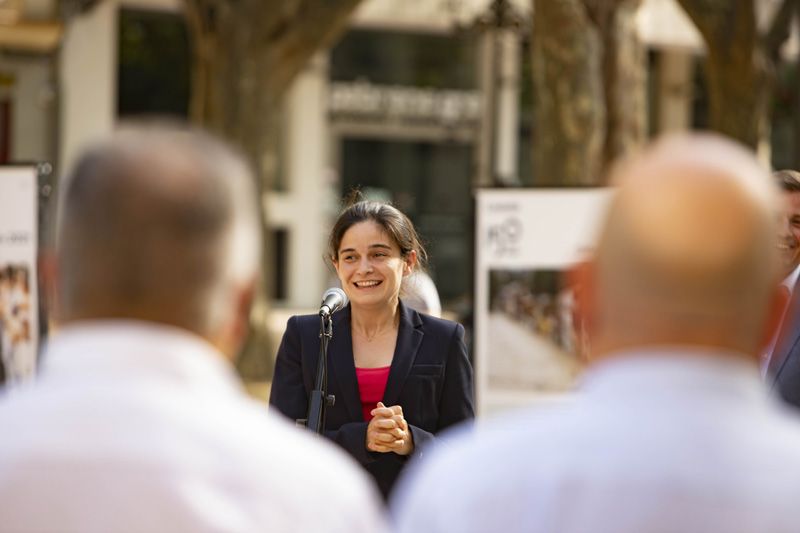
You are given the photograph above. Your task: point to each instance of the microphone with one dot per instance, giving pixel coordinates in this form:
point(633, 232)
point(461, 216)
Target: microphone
point(333, 300)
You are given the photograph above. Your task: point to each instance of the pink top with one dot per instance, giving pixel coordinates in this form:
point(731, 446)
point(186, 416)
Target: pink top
point(371, 385)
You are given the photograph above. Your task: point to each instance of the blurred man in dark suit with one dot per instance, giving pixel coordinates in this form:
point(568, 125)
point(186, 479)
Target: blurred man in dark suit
point(782, 358)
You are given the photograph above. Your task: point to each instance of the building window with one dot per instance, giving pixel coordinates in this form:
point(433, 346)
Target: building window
point(154, 64)
point(280, 247)
point(430, 183)
point(443, 61)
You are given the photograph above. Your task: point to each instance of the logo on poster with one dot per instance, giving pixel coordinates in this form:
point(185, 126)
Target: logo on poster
point(505, 237)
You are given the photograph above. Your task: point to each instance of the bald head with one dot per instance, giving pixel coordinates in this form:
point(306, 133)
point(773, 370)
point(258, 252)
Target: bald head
point(687, 253)
point(157, 224)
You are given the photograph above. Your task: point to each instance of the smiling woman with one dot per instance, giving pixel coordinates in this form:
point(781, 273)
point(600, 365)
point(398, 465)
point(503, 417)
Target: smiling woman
point(399, 376)
point(371, 266)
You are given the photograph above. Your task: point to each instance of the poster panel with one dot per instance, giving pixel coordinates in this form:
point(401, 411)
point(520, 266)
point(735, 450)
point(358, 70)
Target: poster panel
point(525, 347)
point(19, 313)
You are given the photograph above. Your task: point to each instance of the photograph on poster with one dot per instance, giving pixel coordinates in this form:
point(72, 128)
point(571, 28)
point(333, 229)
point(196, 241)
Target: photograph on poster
point(525, 348)
point(530, 331)
point(19, 300)
point(16, 319)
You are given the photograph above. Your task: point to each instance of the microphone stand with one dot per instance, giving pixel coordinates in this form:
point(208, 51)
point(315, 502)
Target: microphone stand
point(319, 399)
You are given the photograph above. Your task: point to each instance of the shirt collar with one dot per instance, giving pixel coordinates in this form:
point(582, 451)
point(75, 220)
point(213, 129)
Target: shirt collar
point(791, 280)
point(130, 350)
point(679, 372)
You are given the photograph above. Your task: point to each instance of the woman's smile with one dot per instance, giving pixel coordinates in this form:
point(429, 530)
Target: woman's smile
point(368, 284)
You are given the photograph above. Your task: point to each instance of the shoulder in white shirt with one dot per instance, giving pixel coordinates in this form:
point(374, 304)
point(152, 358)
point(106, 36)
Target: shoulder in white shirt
point(650, 445)
point(135, 427)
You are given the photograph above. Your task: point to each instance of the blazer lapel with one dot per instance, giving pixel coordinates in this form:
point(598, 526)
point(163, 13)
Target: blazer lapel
point(788, 336)
point(342, 365)
point(409, 338)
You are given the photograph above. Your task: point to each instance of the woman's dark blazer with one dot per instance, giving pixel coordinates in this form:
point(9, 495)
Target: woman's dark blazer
point(430, 378)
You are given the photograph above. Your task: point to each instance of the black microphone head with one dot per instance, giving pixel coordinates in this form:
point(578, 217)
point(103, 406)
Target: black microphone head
point(332, 300)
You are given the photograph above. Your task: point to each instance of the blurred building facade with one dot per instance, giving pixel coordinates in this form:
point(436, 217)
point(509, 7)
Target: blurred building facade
point(419, 103)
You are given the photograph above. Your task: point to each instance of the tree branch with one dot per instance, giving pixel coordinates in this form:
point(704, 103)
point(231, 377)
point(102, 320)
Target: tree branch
point(781, 28)
point(723, 22)
point(71, 8)
point(304, 27)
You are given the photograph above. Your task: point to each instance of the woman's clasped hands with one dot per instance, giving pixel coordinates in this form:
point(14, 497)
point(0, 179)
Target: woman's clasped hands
point(388, 431)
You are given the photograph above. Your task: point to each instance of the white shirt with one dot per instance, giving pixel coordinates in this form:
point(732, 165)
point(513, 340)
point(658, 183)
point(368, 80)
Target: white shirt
point(655, 443)
point(143, 428)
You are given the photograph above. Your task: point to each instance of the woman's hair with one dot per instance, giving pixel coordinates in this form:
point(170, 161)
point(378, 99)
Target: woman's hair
point(389, 218)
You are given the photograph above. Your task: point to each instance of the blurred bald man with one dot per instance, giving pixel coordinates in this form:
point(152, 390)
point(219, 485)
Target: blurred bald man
point(673, 429)
point(138, 423)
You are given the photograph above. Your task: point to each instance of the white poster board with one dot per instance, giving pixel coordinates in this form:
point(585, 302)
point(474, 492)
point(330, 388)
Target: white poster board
point(525, 239)
point(19, 310)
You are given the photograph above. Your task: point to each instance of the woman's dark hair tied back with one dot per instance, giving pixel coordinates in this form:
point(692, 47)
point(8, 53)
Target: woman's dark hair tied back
point(397, 225)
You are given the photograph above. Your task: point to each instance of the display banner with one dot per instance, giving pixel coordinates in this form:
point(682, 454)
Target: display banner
point(525, 346)
point(19, 313)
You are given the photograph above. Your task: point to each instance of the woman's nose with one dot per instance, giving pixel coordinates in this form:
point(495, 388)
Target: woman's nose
point(365, 265)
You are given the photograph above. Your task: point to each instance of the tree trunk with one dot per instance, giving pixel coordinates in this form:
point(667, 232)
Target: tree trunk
point(569, 105)
point(246, 54)
point(624, 77)
point(590, 88)
point(737, 68)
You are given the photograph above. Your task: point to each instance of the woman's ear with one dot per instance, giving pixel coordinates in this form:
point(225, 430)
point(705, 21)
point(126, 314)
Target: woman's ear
point(410, 261)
